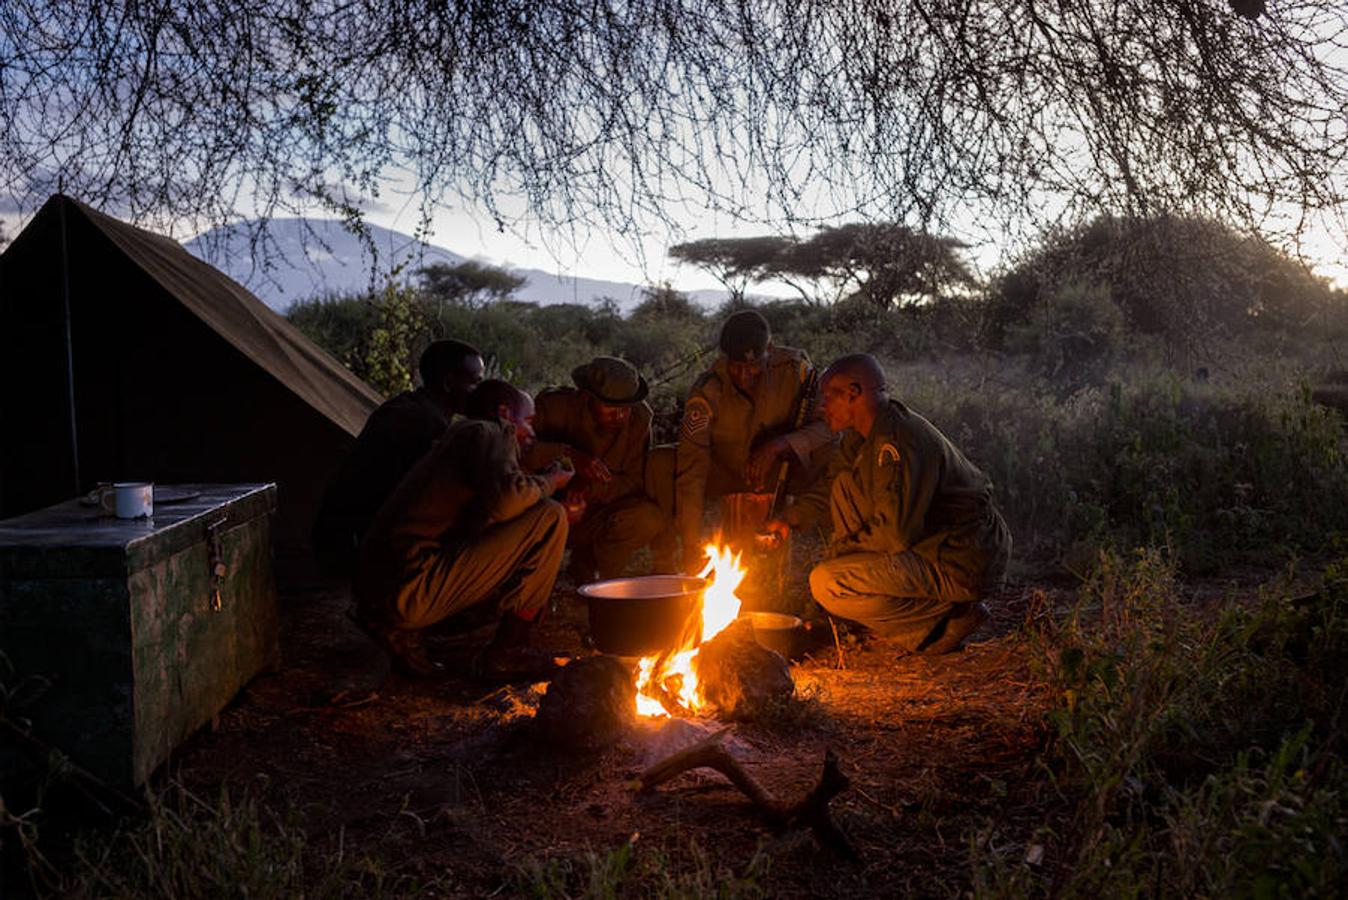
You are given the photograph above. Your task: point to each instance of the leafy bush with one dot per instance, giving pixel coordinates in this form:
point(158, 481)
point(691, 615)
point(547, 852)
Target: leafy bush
point(1073, 336)
point(1217, 473)
point(1184, 279)
point(1195, 755)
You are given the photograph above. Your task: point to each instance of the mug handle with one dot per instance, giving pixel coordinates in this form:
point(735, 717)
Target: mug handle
point(107, 500)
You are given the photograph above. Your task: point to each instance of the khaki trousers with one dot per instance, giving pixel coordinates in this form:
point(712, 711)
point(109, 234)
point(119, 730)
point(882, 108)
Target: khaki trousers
point(903, 596)
point(896, 595)
point(516, 561)
point(612, 533)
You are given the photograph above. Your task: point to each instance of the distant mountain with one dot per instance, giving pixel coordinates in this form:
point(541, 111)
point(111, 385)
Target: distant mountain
point(305, 258)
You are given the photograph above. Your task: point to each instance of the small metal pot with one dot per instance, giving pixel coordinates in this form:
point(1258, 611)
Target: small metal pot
point(778, 631)
point(641, 616)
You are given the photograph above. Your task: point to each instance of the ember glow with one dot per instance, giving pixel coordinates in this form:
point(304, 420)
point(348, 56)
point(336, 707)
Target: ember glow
point(671, 674)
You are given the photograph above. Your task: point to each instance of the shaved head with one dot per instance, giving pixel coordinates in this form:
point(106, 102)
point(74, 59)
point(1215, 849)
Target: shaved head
point(485, 400)
point(501, 401)
point(852, 392)
point(860, 369)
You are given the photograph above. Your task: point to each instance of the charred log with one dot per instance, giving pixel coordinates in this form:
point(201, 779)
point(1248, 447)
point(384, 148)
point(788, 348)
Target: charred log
point(740, 677)
point(589, 705)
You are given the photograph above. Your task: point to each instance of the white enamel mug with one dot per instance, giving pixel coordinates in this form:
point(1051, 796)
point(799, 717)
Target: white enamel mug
point(129, 499)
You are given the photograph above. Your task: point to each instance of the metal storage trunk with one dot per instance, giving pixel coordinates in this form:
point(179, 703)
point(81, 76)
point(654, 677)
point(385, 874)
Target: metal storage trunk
point(145, 628)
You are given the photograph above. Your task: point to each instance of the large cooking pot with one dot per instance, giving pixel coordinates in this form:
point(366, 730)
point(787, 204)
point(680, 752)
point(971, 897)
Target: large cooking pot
point(643, 615)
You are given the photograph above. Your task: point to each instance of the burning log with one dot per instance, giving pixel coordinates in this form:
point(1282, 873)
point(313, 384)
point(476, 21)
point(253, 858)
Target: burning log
point(589, 704)
point(740, 677)
point(810, 811)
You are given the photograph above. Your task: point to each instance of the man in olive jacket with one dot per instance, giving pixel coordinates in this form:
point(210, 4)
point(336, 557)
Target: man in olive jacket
point(466, 525)
point(396, 435)
point(603, 425)
point(916, 542)
point(738, 422)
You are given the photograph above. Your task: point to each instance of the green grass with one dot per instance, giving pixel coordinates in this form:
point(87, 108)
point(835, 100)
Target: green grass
point(633, 870)
point(216, 847)
point(1190, 753)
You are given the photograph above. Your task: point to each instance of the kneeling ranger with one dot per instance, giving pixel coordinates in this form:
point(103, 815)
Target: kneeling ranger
point(916, 542)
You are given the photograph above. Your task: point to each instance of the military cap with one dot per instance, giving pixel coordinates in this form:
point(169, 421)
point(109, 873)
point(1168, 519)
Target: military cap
point(611, 380)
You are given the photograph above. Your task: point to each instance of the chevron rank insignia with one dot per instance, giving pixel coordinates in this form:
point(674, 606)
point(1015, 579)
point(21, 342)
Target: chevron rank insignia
point(696, 415)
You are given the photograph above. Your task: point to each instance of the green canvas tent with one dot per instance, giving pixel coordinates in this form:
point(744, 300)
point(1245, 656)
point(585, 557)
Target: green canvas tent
point(124, 357)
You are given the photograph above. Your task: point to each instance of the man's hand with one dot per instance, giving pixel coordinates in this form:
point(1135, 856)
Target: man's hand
point(760, 464)
point(773, 534)
point(694, 560)
point(591, 467)
point(558, 475)
point(574, 500)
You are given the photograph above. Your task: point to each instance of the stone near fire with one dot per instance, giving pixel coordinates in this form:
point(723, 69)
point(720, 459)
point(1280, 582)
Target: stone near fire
point(738, 676)
point(590, 704)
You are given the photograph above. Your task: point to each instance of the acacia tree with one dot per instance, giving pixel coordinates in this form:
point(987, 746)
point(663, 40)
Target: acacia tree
point(908, 110)
point(735, 262)
point(886, 264)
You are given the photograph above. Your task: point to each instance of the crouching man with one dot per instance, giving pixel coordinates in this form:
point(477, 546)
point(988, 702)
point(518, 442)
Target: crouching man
point(466, 525)
point(916, 542)
point(604, 426)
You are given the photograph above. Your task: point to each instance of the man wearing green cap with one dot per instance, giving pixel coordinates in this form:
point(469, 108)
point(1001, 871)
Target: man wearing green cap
point(603, 425)
point(738, 423)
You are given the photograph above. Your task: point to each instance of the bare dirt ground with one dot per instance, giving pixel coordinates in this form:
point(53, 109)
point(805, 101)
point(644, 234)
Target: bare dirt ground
point(446, 779)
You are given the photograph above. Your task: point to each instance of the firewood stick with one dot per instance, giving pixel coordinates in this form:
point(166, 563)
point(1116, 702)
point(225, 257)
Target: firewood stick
point(811, 810)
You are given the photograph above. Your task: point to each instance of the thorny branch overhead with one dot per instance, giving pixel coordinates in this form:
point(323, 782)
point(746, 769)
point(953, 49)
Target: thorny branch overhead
point(191, 114)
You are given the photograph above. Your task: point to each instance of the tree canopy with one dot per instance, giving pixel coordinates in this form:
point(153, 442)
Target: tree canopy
point(882, 263)
point(616, 112)
point(469, 283)
point(1185, 280)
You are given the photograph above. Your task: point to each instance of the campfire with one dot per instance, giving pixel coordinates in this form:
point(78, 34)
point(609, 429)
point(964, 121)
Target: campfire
point(715, 666)
point(668, 683)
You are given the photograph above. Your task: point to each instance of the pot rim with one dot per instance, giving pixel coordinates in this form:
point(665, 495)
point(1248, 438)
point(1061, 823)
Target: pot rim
point(688, 586)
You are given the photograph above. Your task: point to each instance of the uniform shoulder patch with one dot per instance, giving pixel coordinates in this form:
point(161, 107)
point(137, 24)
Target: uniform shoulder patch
point(888, 453)
point(696, 415)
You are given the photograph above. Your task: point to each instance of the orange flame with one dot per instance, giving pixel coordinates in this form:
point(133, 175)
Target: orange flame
point(672, 674)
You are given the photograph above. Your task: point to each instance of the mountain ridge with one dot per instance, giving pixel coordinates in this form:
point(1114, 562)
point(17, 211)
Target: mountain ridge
point(305, 258)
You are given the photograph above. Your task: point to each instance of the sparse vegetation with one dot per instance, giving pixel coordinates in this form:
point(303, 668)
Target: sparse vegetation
point(1191, 752)
point(631, 870)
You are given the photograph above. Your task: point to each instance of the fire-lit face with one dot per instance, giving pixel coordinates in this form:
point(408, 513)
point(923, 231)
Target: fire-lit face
point(745, 373)
point(609, 418)
point(521, 415)
point(839, 399)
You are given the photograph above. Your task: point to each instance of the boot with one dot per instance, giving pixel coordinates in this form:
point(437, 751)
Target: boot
point(964, 620)
point(510, 658)
point(404, 647)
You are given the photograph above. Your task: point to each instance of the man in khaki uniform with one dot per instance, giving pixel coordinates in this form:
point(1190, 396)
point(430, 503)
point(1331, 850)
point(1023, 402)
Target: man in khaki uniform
point(603, 425)
point(467, 524)
point(737, 424)
point(396, 435)
point(916, 541)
